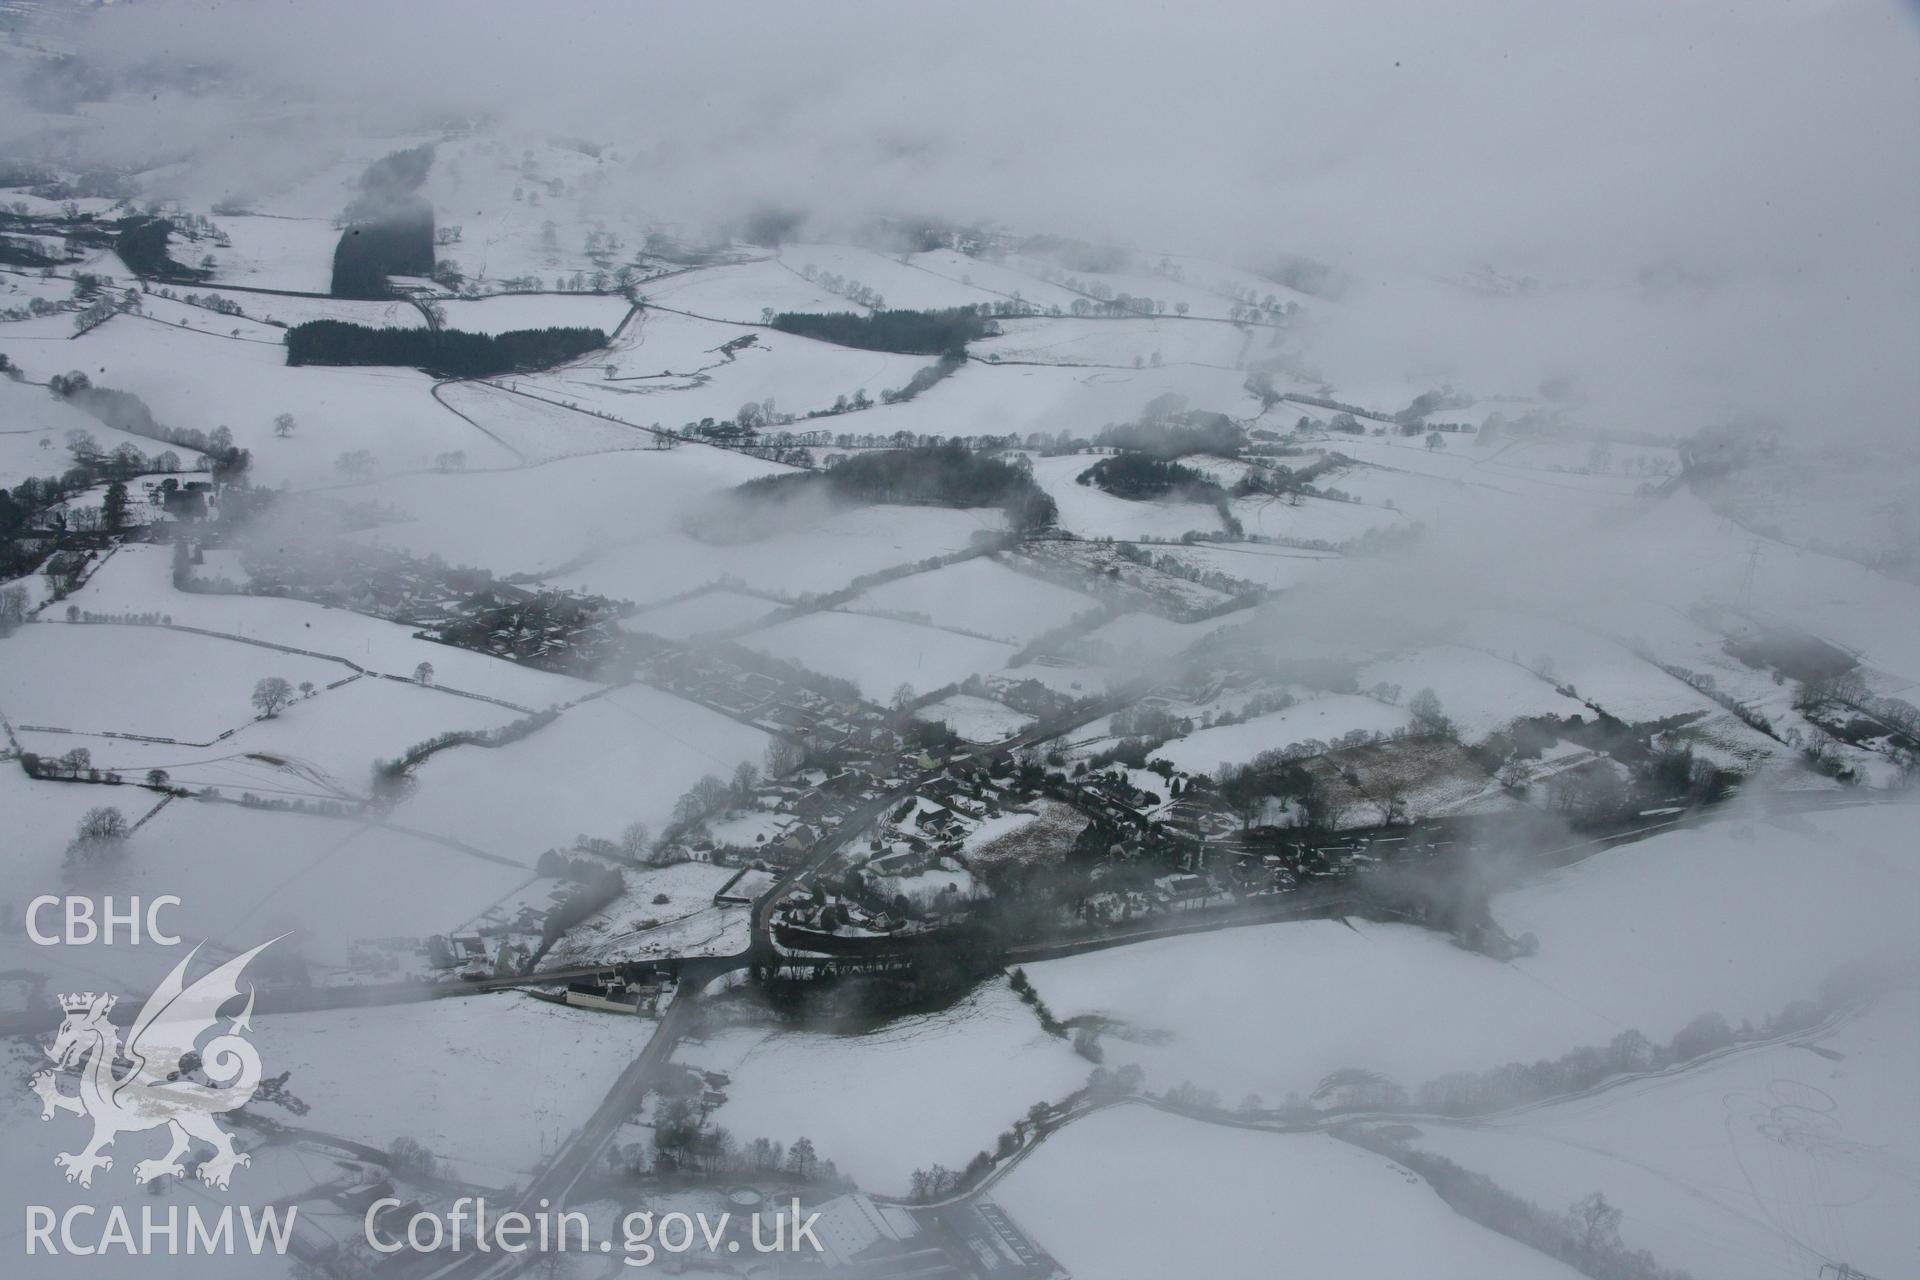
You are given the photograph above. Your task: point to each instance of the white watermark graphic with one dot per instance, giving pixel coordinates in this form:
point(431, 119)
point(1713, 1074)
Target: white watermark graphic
point(641, 1236)
point(155, 1090)
point(153, 1230)
point(181, 1069)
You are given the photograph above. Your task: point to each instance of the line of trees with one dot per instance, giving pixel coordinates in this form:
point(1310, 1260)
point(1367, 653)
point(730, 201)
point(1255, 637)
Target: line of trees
point(948, 364)
point(1177, 436)
point(447, 352)
point(1470, 1093)
point(124, 411)
point(1586, 1237)
point(903, 332)
point(685, 1143)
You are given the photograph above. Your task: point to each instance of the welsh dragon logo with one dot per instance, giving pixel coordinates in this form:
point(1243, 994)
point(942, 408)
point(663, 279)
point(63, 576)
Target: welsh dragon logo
point(155, 1087)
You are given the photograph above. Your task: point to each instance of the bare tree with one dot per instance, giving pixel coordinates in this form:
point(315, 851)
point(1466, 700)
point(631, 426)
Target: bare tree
point(13, 608)
point(783, 757)
point(102, 834)
point(355, 464)
point(746, 776)
point(1595, 1224)
point(271, 694)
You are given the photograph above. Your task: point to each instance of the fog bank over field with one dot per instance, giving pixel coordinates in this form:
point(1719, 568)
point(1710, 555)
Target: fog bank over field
point(1687, 210)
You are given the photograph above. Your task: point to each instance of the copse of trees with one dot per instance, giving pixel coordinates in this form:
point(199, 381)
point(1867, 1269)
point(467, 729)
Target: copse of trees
point(903, 332)
point(945, 475)
point(389, 228)
point(398, 242)
point(448, 352)
point(1428, 403)
point(101, 837)
point(1274, 774)
point(142, 245)
point(1136, 475)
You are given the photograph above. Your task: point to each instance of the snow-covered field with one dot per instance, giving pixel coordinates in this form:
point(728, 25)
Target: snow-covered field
point(1140, 639)
point(710, 611)
point(1268, 567)
point(1777, 903)
point(28, 416)
point(975, 719)
point(281, 310)
point(1200, 300)
point(901, 284)
point(1317, 519)
point(629, 498)
point(670, 369)
point(1116, 343)
point(97, 677)
point(994, 278)
point(981, 595)
point(155, 309)
point(249, 874)
point(1325, 718)
point(879, 654)
point(137, 579)
point(243, 875)
point(1605, 671)
point(1478, 692)
point(1094, 513)
point(193, 379)
point(535, 311)
point(491, 1084)
point(1769, 1162)
point(536, 429)
point(18, 287)
point(322, 747)
point(924, 1089)
point(274, 253)
point(822, 554)
point(1132, 1193)
point(625, 757)
point(740, 292)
